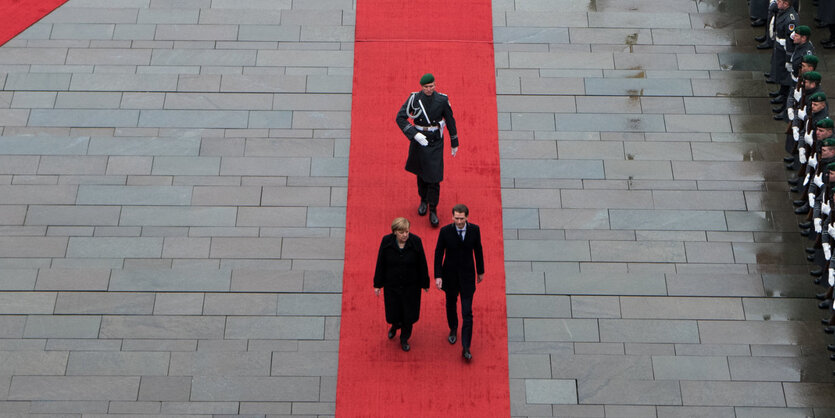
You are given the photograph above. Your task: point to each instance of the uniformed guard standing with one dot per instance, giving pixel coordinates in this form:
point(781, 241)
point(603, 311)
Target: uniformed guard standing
point(429, 111)
point(784, 25)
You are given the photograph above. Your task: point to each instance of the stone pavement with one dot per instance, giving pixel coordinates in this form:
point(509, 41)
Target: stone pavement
point(172, 194)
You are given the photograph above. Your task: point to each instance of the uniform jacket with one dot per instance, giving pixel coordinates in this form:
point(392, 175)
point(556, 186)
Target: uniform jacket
point(427, 162)
point(457, 262)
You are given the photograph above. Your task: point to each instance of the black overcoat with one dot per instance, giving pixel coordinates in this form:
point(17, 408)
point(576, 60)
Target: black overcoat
point(784, 24)
point(401, 274)
point(427, 162)
point(457, 262)
point(826, 12)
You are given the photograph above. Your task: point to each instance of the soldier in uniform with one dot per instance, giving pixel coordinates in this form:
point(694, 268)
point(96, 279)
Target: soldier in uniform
point(784, 23)
point(809, 63)
point(801, 47)
point(429, 111)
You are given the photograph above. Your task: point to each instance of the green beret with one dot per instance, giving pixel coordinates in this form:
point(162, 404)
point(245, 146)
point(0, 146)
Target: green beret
point(810, 59)
point(830, 166)
point(427, 78)
point(828, 142)
point(803, 30)
point(818, 97)
point(812, 76)
point(826, 123)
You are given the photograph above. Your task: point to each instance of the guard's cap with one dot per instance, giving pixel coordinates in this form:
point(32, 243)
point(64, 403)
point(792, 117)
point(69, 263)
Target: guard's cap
point(803, 30)
point(810, 59)
point(828, 142)
point(830, 166)
point(427, 78)
point(828, 124)
point(818, 97)
point(812, 76)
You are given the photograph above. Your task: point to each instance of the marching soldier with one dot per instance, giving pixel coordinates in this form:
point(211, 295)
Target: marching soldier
point(429, 112)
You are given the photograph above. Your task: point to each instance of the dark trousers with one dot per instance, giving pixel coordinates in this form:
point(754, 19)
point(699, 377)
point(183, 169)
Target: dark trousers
point(429, 192)
point(466, 315)
point(405, 332)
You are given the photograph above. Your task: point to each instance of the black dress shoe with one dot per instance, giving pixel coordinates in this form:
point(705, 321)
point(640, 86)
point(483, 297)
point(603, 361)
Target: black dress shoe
point(794, 189)
point(825, 321)
point(818, 280)
point(826, 42)
point(779, 109)
point(758, 22)
point(778, 99)
point(801, 210)
point(804, 225)
point(794, 181)
point(800, 202)
point(823, 305)
point(821, 296)
point(805, 232)
point(779, 116)
point(764, 45)
point(810, 257)
point(790, 167)
point(774, 93)
point(830, 347)
point(433, 218)
point(767, 75)
point(760, 38)
point(832, 357)
point(829, 46)
point(816, 272)
point(392, 332)
point(452, 338)
point(405, 346)
point(422, 209)
point(809, 250)
point(829, 330)
point(466, 354)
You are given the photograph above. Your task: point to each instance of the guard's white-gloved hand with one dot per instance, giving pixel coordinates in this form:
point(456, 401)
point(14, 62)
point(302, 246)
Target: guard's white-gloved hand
point(802, 113)
point(454, 151)
point(811, 199)
point(827, 251)
point(789, 67)
point(825, 208)
point(781, 41)
point(806, 179)
point(813, 162)
point(830, 229)
point(807, 137)
point(818, 226)
point(795, 133)
point(831, 277)
point(818, 180)
point(421, 139)
point(790, 114)
point(797, 95)
point(794, 78)
point(801, 155)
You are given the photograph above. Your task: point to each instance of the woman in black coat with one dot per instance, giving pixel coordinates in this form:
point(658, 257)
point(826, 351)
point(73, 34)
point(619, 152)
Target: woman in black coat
point(402, 271)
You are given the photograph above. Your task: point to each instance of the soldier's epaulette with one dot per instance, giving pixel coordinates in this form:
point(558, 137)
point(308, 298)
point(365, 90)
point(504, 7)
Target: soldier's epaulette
point(441, 93)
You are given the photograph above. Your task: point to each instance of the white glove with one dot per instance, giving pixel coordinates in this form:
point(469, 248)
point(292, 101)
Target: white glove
point(794, 78)
point(790, 113)
point(830, 230)
point(813, 161)
point(827, 251)
point(825, 208)
point(782, 42)
point(795, 133)
point(454, 151)
point(811, 200)
point(801, 155)
point(802, 113)
point(818, 180)
point(797, 95)
point(789, 67)
point(806, 179)
point(831, 277)
point(807, 137)
point(421, 139)
point(818, 226)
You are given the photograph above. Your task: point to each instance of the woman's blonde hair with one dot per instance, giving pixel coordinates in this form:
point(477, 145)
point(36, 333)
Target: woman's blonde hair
point(399, 224)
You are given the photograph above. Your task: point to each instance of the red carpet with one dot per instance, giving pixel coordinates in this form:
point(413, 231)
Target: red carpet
point(396, 43)
point(17, 15)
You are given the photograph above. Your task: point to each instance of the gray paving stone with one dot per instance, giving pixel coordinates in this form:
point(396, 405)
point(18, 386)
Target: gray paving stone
point(185, 166)
point(648, 330)
point(754, 332)
point(630, 392)
point(240, 304)
point(681, 308)
point(161, 327)
point(52, 388)
point(178, 304)
point(32, 363)
point(690, 368)
point(538, 306)
point(311, 304)
point(37, 81)
point(561, 330)
point(605, 284)
point(303, 248)
point(33, 247)
point(117, 364)
point(178, 216)
point(134, 195)
point(104, 303)
point(547, 250)
point(320, 363)
point(174, 280)
point(67, 326)
point(668, 219)
point(207, 388)
point(574, 219)
point(38, 194)
point(283, 327)
point(780, 369)
point(114, 247)
point(144, 146)
point(183, 247)
point(552, 169)
point(72, 215)
point(220, 364)
point(584, 367)
point(17, 279)
point(732, 393)
point(72, 279)
point(27, 303)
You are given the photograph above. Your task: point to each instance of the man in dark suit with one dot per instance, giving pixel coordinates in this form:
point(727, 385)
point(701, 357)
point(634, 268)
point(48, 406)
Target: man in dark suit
point(458, 258)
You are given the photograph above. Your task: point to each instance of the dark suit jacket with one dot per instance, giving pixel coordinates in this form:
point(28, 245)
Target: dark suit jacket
point(456, 262)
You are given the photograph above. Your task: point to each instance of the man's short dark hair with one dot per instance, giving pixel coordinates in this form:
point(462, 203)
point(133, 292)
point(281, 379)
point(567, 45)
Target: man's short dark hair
point(461, 208)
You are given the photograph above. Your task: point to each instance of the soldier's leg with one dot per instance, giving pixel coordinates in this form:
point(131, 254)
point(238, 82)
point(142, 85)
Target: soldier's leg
point(421, 186)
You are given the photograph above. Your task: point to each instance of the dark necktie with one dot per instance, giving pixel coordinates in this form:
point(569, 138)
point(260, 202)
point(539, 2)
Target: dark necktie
point(461, 234)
